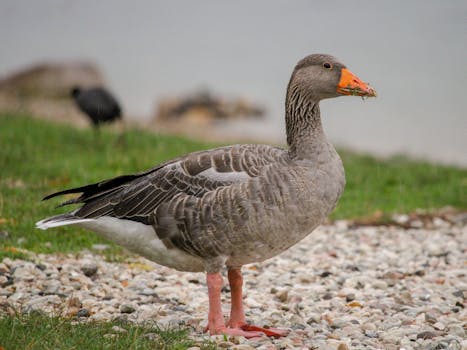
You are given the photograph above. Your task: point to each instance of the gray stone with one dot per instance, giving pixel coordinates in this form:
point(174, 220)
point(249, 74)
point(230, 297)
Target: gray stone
point(430, 318)
point(368, 327)
point(380, 284)
point(52, 287)
point(439, 326)
point(89, 269)
point(371, 334)
point(118, 329)
point(459, 294)
point(127, 308)
point(426, 335)
point(243, 347)
point(313, 318)
point(457, 330)
point(83, 313)
point(6, 281)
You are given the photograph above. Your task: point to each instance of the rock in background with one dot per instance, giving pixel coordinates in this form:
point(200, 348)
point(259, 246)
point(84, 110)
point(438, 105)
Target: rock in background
point(43, 90)
point(204, 114)
point(204, 106)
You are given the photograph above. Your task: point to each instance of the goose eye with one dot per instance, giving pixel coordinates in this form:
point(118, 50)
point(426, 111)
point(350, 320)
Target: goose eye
point(327, 65)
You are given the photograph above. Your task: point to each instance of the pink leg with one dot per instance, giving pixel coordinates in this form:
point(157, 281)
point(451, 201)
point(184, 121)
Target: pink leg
point(216, 324)
point(237, 314)
point(215, 318)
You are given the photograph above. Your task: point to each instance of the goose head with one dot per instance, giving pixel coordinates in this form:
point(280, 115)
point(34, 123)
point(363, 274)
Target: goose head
point(320, 76)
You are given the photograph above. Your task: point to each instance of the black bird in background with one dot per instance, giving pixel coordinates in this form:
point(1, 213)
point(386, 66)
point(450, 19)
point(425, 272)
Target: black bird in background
point(98, 104)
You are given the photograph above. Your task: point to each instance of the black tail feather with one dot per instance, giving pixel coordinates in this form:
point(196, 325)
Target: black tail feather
point(98, 188)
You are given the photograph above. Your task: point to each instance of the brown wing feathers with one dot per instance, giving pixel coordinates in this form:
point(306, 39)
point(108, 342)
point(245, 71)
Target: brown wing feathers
point(136, 197)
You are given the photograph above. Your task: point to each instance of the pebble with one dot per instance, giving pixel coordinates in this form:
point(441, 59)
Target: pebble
point(127, 309)
point(439, 326)
point(6, 281)
point(371, 334)
point(89, 269)
point(118, 329)
point(459, 294)
point(426, 335)
point(225, 344)
point(369, 327)
point(4, 269)
point(52, 287)
point(380, 285)
point(343, 287)
point(457, 331)
point(83, 313)
point(283, 296)
point(430, 318)
point(243, 347)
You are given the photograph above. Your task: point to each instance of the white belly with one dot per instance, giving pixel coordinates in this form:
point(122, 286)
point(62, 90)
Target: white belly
point(141, 239)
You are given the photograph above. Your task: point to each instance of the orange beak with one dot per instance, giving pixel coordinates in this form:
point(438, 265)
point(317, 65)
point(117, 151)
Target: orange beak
point(350, 84)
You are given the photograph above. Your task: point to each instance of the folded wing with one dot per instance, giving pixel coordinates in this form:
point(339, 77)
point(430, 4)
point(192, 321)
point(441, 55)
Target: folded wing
point(136, 197)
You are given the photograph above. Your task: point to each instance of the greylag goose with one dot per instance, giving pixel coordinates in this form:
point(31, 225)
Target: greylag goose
point(98, 104)
point(229, 206)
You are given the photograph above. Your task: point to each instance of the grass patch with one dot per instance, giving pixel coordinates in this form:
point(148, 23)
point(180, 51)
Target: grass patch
point(36, 331)
point(38, 157)
point(398, 185)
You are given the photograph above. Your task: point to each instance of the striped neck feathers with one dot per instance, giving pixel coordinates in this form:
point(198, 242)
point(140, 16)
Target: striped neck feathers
point(305, 135)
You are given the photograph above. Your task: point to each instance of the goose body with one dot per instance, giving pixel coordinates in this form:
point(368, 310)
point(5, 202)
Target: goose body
point(228, 206)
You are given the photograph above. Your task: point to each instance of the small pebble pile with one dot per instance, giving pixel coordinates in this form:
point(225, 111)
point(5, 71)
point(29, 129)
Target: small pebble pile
point(343, 287)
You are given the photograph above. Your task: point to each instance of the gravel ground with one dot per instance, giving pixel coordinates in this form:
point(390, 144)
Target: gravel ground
point(372, 287)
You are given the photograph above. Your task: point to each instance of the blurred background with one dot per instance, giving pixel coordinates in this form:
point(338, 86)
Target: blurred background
point(160, 58)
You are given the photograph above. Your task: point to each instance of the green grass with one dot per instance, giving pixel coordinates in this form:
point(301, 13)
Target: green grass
point(40, 332)
point(398, 185)
point(38, 158)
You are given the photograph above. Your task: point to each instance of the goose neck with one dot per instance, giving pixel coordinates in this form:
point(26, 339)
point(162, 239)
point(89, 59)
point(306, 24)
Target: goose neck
point(305, 135)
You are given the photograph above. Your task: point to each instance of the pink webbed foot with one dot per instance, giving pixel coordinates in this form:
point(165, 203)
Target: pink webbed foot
point(249, 331)
point(237, 332)
point(270, 332)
